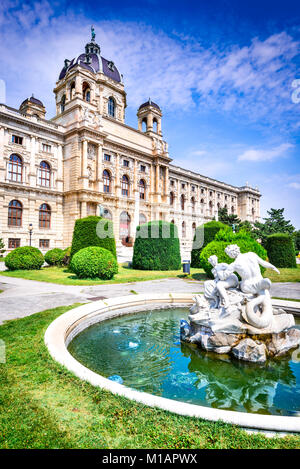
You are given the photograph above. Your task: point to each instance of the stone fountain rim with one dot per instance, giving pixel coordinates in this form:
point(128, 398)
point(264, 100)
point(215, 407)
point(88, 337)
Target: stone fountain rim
point(64, 328)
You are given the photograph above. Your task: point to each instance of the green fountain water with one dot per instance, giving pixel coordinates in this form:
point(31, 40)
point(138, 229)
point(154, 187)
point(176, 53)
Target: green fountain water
point(144, 349)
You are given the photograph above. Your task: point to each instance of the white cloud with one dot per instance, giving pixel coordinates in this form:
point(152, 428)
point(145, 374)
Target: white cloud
point(266, 154)
point(252, 80)
point(295, 185)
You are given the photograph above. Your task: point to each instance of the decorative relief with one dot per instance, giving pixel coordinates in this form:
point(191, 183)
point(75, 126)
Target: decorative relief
point(91, 151)
point(92, 118)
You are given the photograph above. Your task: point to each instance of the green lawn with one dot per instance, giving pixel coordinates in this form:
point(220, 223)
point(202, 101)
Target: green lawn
point(62, 276)
point(42, 405)
point(286, 275)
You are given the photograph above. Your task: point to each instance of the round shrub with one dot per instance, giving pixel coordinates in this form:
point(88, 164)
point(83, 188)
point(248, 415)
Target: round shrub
point(94, 262)
point(54, 256)
point(93, 231)
point(24, 258)
point(281, 250)
point(217, 247)
point(208, 231)
point(156, 247)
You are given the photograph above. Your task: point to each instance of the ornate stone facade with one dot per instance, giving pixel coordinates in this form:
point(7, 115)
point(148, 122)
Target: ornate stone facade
point(86, 160)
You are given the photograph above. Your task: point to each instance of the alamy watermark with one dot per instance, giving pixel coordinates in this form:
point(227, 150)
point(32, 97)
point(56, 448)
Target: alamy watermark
point(296, 93)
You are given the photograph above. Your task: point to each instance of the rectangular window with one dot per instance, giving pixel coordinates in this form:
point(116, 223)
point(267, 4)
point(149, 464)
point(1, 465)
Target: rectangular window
point(143, 168)
point(193, 188)
point(46, 148)
point(172, 183)
point(17, 139)
point(126, 163)
point(44, 243)
point(14, 243)
point(107, 157)
point(182, 186)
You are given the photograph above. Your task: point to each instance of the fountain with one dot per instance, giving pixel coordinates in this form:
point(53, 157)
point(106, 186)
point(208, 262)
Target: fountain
point(237, 317)
point(227, 360)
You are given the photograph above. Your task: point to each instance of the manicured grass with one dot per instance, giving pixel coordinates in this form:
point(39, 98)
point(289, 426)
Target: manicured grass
point(62, 276)
point(286, 275)
point(42, 405)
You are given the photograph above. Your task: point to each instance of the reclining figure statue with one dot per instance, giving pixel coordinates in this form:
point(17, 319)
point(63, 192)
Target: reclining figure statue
point(252, 282)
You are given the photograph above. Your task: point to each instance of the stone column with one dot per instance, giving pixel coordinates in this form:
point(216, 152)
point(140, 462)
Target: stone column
point(83, 209)
point(99, 177)
point(33, 174)
point(84, 170)
point(157, 178)
point(117, 181)
point(59, 180)
point(166, 181)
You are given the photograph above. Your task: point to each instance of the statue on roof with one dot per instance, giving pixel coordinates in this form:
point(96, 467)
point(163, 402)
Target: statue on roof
point(93, 33)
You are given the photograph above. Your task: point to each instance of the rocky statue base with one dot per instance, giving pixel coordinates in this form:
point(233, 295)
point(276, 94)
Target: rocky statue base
point(236, 316)
point(232, 334)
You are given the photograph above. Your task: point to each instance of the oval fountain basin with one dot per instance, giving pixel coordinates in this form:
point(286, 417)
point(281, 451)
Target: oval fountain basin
point(144, 349)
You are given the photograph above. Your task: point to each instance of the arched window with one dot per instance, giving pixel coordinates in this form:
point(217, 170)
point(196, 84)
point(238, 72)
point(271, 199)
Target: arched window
point(193, 204)
point(44, 174)
point(15, 168)
point(142, 189)
point(194, 227)
point(142, 219)
point(106, 181)
point(44, 216)
point(72, 90)
point(232, 209)
point(173, 222)
point(125, 220)
point(63, 103)
point(111, 107)
point(125, 185)
point(144, 125)
point(183, 229)
point(172, 198)
point(182, 202)
point(210, 207)
point(15, 210)
point(86, 92)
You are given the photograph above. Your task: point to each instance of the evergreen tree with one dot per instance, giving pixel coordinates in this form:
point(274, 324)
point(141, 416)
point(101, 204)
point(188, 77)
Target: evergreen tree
point(275, 223)
point(227, 219)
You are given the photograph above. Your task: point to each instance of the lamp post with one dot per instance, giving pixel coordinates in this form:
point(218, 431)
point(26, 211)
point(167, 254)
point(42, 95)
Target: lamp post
point(30, 228)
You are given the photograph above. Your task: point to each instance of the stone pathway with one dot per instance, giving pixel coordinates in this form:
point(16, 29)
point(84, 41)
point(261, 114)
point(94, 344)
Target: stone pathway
point(24, 297)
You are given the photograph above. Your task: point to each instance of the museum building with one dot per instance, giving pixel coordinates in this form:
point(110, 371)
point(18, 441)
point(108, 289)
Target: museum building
point(87, 161)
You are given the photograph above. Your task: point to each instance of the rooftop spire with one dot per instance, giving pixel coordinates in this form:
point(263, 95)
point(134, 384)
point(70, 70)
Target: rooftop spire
point(93, 33)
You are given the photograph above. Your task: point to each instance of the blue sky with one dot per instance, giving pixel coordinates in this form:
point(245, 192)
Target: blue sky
point(223, 72)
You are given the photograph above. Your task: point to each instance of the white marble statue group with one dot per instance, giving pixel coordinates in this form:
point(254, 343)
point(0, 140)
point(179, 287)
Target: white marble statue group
point(258, 308)
point(235, 315)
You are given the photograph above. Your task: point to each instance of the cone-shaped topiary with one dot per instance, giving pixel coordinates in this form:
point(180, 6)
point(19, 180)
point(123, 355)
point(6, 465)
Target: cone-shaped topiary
point(156, 247)
point(24, 258)
point(204, 234)
point(281, 250)
point(94, 262)
point(223, 239)
point(93, 231)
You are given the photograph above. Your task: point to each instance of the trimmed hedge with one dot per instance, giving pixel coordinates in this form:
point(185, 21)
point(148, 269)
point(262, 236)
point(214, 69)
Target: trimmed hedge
point(281, 250)
point(210, 230)
point(24, 258)
point(54, 256)
point(156, 247)
point(94, 262)
point(217, 247)
point(85, 234)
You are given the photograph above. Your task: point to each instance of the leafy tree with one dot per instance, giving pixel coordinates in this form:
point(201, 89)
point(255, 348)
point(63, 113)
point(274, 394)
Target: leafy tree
point(228, 219)
point(2, 246)
point(275, 223)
